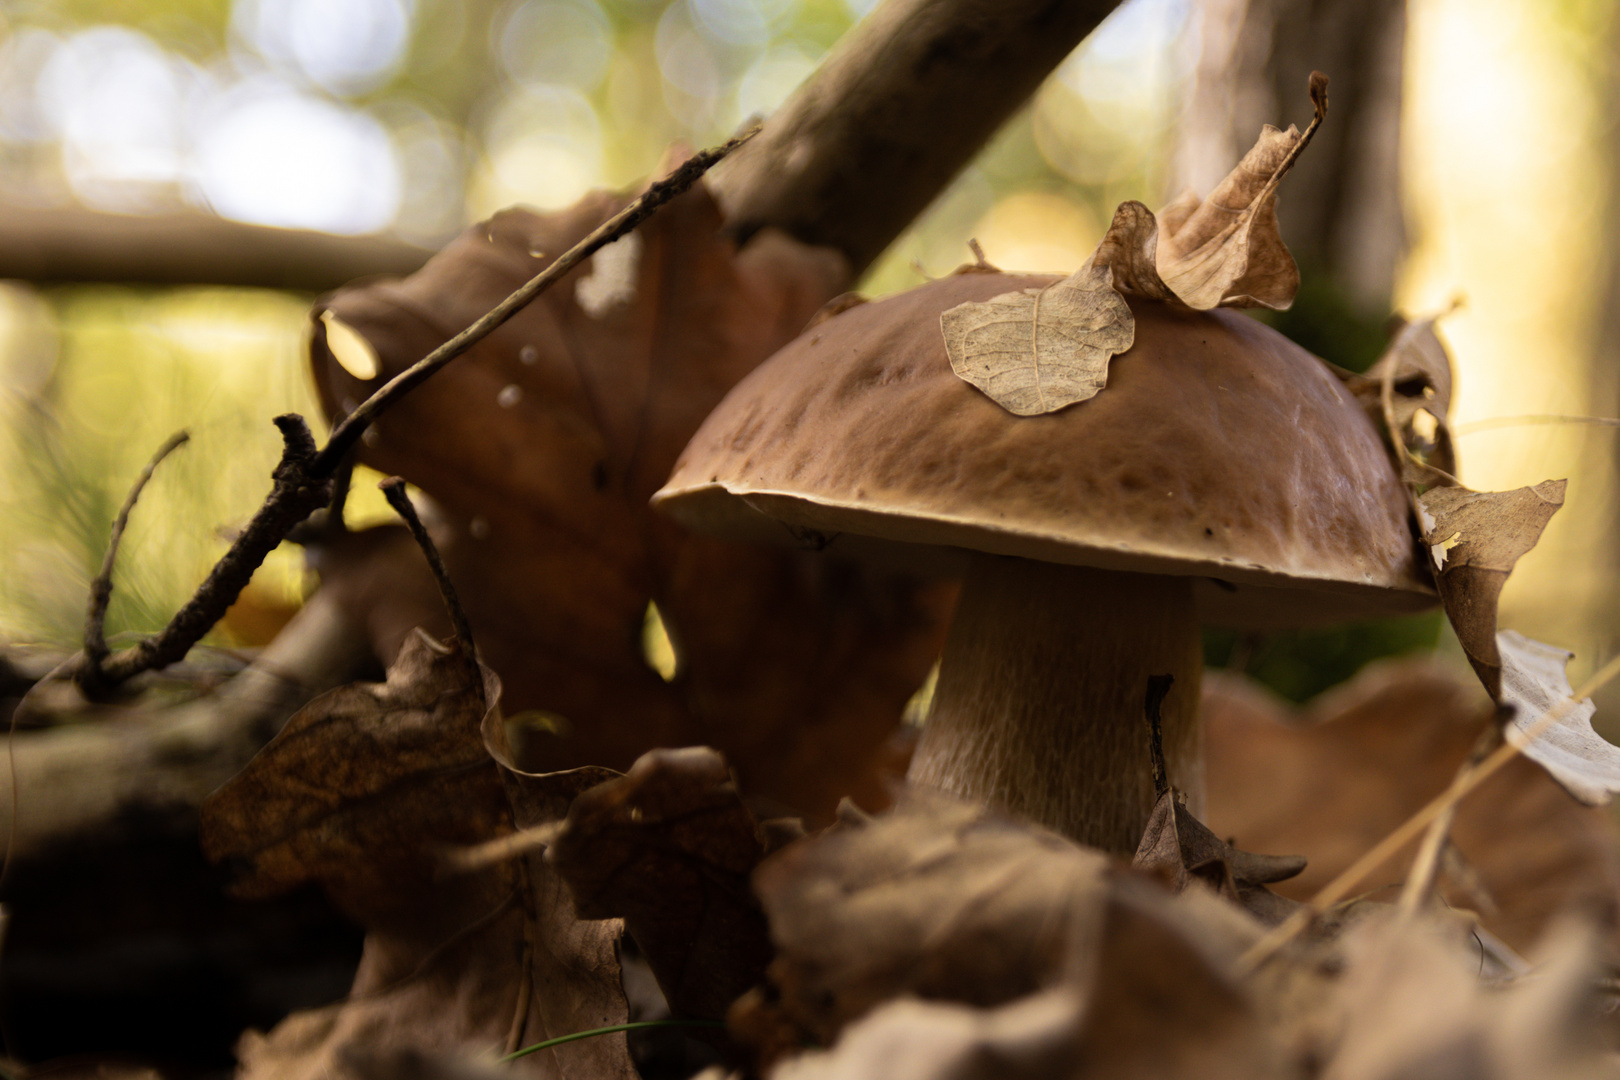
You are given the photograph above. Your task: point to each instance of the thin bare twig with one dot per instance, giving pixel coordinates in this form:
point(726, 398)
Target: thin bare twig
point(303, 481)
point(393, 490)
point(1493, 422)
point(95, 621)
point(296, 492)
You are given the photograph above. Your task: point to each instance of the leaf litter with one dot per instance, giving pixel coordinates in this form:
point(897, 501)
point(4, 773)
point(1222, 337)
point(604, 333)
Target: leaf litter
point(933, 941)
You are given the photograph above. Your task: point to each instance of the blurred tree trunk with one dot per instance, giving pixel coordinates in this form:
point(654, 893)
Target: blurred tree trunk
point(1340, 207)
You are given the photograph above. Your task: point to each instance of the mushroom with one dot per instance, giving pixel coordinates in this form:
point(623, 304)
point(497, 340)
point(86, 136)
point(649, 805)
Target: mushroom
point(1223, 473)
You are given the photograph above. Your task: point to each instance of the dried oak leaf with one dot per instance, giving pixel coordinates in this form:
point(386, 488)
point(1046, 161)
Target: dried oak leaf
point(542, 446)
point(360, 792)
point(669, 848)
point(1179, 848)
point(1534, 682)
point(1036, 351)
point(1474, 538)
point(1333, 778)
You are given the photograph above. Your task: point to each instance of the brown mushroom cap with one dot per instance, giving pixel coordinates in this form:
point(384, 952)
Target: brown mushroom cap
point(1218, 450)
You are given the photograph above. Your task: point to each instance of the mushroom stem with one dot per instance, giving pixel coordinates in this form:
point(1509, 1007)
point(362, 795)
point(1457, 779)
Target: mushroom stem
point(1039, 708)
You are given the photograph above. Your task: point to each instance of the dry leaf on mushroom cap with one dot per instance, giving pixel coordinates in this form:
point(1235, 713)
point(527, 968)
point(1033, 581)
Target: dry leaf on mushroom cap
point(542, 445)
point(360, 792)
point(1040, 350)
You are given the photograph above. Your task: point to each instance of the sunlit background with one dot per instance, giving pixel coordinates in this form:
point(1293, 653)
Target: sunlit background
point(414, 117)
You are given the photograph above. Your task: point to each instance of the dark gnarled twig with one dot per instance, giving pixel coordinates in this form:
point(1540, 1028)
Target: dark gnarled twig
point(304, 480)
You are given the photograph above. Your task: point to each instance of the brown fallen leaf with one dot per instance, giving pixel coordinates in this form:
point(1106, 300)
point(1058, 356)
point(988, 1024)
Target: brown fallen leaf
point(542, 445)
point(1332, 779)
point(359, 792)
point(669, 848)
point(1474, 539)
point(1039, 350)
point(1534, 683)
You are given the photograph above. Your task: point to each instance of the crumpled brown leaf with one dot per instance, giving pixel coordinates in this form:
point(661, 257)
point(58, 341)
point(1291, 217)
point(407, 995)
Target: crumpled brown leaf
point(1036, 351)
point(1039, 350)
point(1180, 849)
point(1474, 538)
point(542, 447)
point(954, 903)
point(1333, 778)
point(1410, 381)
point(669, 848)
point(1221, 251)
point(1534, 683)
point(361, 791)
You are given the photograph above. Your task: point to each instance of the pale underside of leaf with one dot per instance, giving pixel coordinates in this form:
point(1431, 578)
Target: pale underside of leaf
point(1038, 350)
point(1534, 682)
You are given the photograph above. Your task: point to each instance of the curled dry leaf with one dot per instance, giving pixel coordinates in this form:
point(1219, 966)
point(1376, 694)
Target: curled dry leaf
point(1332, 779)
point(1474, 538)
point(1180, 849)
point(360, 792)
point(1408, 392)
point(542, 446)
point(1534, 683)
point(669, 847)
point(1040, 350)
